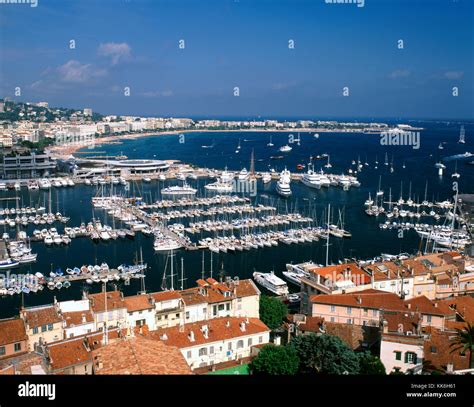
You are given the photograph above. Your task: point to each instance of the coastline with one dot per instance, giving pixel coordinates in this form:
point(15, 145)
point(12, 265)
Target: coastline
point(67, 150)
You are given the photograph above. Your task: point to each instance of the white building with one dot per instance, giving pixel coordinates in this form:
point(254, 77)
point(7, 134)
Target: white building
point(77, 318)
point(216, 341)
point(140, 311)
point(403, 353)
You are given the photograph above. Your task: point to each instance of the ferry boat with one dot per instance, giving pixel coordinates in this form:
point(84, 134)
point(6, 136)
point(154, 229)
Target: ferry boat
point(283, 184)
point(185, 189)
point(271, 282)
point(286, 148)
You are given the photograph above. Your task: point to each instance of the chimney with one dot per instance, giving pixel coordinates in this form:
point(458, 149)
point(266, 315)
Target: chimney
point(205, 331)
point(242, 326)
point(84, 320)
point(385, 326)
point(227, 324)
point(409, 306)
point(191, 336)
point(359, 299)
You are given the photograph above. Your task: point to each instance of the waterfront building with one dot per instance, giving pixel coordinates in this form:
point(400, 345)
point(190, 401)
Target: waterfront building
point(26, 165)
point(78, 318)
point(216, 341)
point(13, 338)
point(140, 311)
point(109, 309)
point(330, 279)
point(169, 308)
point(43, 323)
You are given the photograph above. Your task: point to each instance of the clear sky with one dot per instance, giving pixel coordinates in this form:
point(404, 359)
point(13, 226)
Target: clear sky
point(244, 44)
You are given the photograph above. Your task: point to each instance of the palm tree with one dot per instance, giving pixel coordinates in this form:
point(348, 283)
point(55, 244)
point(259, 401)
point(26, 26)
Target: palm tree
point(464, 341)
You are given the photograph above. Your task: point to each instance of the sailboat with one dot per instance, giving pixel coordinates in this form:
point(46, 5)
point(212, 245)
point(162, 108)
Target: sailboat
point(386, 159)
point(391, 165)
point(270, 143)
point(462, 136)
point(455, 174)
point(441, 147)
point(238, 148)
point(328, 165)
point(380, 191)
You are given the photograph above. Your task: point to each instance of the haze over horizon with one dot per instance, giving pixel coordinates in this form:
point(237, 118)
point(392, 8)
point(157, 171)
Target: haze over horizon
point(244, 44)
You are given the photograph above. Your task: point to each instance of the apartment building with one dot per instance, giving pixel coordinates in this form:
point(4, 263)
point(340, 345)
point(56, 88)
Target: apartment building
point(44, 324)
point(13, 338)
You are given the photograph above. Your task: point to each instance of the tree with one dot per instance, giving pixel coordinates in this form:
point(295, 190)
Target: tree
point(275, 360)
point(370, 364)
point(464, 342)
point(272, 311)
point(325, 354)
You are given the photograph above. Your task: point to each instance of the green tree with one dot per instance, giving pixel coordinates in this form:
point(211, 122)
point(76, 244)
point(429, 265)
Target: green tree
point(275, 360)
point(325, 354)
point(272, 311)
point(464, 342)
point(370, 364)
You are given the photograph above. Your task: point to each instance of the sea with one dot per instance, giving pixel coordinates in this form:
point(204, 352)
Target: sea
point(411, 166)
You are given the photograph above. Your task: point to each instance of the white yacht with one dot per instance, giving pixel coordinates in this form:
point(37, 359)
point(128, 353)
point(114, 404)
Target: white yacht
point(286, 149)
point(185, 189)
point(165, 244)
point(219, 186)
point(312, 179)
point(3, 186)
point(283, 184)
point(271, 282)
point(244, 175)
point(266, 178)
point(270, 144)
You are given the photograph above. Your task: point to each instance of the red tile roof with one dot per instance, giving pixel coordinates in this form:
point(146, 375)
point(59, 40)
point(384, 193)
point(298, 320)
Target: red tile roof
point(373, 299)
point(218, 329)
point(426, 306)
point(166, 296)
point(12, 330)
point(463, 305)
point(65, 354)
point(42, 315)
point(138, 303)
point(76, 318)
point(114, 301)
point(139, 355)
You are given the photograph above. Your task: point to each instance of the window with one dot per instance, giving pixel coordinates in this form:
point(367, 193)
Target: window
point(187, 315)
point(221, 307)
point(2, 350)
point(410, 358)
point(333, 319)
point(333, 308)
point(17, 347)
point(50, 327)
point(227, 306)
point(240, 344)
point(211, 350)
point(398, 355)
point(43, 328)
point(433, 349)
point(349, 321)
point(428, 319)
point(189, 354)
point(366, 311)
point(374, 312)
point(229, 346)
point(177, 315)
point(249, 342)
point(260, 339)
point(364, 323)
point(349, 310)
point(35, 330)
point(203, 352)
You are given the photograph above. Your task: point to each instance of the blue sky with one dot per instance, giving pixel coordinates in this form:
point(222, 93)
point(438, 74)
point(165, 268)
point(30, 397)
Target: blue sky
point(244, 44)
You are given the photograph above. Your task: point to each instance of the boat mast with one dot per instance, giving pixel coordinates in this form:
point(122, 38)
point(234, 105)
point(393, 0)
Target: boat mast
point(182, 274)
point(327, 243)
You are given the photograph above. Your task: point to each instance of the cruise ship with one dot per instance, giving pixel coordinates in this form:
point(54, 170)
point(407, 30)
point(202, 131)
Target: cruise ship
point(283, 184)
point(271, 282)
point(179, 190)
